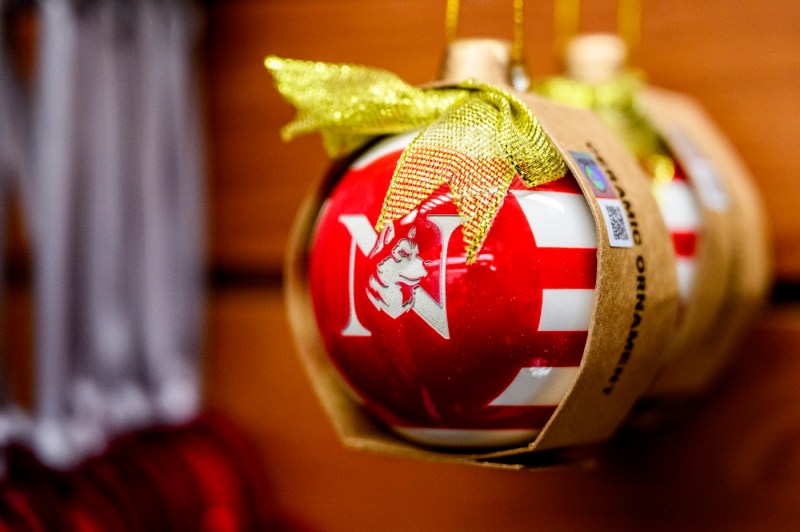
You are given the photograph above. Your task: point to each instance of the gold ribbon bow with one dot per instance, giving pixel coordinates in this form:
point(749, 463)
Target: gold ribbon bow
point(476, 137)
point(616, 102)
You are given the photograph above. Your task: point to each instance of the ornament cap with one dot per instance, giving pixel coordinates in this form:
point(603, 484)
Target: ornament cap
point(596, 58)
point(485, 60)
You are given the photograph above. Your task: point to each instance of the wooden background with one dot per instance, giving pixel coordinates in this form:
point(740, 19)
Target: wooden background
point(733, 463)
point(741, 60)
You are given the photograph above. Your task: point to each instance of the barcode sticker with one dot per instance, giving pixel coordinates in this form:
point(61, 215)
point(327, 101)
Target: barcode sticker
point(619, 232)
point(616, 219)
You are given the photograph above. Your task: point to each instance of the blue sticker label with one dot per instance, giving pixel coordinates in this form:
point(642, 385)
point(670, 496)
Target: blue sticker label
point(616, 219)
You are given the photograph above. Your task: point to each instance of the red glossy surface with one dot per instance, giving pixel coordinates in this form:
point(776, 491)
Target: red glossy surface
point(406, 370)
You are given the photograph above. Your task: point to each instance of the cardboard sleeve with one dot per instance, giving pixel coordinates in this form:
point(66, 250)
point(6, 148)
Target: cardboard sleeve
point(634, 311)
point(734, 271)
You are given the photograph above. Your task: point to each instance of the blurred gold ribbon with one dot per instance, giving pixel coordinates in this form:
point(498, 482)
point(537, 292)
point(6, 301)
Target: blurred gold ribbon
point(615, 102)
point(476, 137)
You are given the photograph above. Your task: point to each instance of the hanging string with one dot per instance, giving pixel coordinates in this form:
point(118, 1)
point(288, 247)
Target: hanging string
point(451, 19)
point(566, 14)
point(629, 20)
point(519, 77)
point(518, 44)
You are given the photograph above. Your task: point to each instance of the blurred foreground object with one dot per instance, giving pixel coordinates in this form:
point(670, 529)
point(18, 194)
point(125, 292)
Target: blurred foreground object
point(106, 151)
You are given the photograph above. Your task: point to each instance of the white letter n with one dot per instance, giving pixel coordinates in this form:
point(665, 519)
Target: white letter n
point(364, 237)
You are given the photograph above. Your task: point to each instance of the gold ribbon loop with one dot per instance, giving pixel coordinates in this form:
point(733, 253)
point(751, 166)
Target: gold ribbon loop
point(616, 101)
point(477, 136)
point(349, 104)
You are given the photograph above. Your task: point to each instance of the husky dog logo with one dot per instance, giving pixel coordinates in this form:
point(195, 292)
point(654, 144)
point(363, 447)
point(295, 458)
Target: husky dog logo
point(393, 286)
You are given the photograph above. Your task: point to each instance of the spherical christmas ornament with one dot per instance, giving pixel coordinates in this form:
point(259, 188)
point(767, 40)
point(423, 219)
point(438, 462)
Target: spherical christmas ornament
point(499, 279)
point(597, 78)
point(679, 206)
point(691, 196)
point(444, 353)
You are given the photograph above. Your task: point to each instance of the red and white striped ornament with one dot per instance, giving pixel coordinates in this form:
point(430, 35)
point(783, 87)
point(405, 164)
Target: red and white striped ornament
point(443, 353)
point(683, 217)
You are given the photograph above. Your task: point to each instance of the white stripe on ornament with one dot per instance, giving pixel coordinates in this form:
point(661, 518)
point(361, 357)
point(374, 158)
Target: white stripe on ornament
point(537, 387)
point(566, 309)
point(558, 219)
point(679, 207)
point(686, 269)
point(467, 437)
point(384, 147)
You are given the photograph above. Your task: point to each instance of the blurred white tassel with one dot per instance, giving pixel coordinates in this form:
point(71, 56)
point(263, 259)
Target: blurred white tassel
point(171, 227)
point(51, 218)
